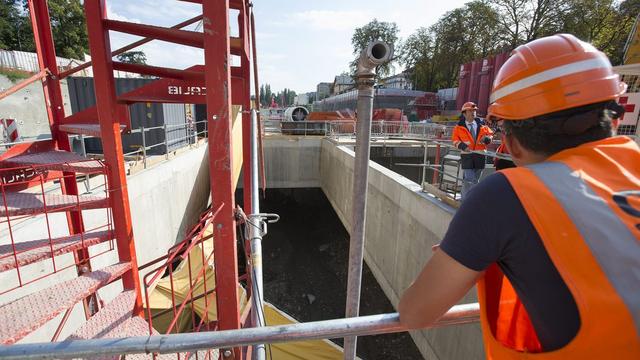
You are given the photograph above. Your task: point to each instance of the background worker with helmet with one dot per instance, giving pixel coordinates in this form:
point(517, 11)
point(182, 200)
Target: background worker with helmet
point(558, 273)
point(471, 134)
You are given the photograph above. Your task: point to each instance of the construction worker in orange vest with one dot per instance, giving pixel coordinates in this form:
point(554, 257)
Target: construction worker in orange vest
point(558, 273)
point(471, 134)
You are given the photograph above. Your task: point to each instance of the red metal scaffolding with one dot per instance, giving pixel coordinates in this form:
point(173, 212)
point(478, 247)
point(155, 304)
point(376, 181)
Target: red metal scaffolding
point(216, 83)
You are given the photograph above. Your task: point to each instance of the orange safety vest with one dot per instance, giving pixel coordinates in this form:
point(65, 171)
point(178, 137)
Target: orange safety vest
point(462, 134)
point(585, 205)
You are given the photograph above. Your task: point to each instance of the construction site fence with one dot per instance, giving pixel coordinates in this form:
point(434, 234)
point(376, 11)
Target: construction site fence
point(224, 340)
point(192, 136)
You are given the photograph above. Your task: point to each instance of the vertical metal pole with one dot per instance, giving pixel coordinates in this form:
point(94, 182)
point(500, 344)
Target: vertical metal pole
point(144, 146)
point(424, 163)
point(256, 83)
point(96, 12)
point(375, 54)
point(166, 143)
point(245, 67)
point(359, 205)
point(255, 236)
point(83, 151)
point(437, 158)
point(217, 56)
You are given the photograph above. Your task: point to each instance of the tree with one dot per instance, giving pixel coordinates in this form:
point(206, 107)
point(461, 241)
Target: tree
point(375, 30)
point(133, 57)
point(9, 24)
point(606, 24)
point(67, 25)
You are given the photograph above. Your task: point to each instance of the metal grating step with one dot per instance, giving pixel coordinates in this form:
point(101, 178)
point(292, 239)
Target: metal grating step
point(23, 316)
point(29, 252)
point(57, 160)
point(114, 321)
point(32, 204)
point(84, 129)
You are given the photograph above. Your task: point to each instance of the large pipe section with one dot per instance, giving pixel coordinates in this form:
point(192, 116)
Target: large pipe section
point(295, 113)
point(192, 342)
point(375, 54)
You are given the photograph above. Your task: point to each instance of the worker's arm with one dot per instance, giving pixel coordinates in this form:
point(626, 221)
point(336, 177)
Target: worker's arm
point(441, 284)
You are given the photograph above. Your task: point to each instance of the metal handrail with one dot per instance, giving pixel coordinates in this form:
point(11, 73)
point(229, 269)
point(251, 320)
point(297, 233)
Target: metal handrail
point(177, 343)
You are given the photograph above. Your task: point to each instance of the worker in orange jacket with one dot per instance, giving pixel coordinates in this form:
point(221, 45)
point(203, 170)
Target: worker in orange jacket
point(499, 163)
point(471, 134)
point(558, 272)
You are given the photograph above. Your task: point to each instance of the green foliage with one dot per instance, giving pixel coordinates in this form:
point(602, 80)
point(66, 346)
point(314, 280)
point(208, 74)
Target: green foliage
point(14, 75)
point(433, 55)
point(67, 25)
point(9, 24)
point(133, 57)
point(375, 30)
point(283, 98)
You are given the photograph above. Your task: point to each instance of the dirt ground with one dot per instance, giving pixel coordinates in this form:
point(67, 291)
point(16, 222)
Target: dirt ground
point(305, 269)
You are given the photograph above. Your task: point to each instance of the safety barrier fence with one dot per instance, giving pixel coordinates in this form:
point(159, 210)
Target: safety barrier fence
point(223, 340)
point(192, 137)
point(29, 201)
point(191, 298)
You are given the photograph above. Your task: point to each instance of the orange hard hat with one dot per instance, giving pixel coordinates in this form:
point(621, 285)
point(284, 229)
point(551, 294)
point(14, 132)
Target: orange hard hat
point(550, 74)
point(469, 106)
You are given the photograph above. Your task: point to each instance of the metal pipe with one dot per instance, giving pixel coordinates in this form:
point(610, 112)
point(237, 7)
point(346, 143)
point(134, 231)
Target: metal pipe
point(174, 343)
point(376, 53)
point(21, 85)
point(255, 239)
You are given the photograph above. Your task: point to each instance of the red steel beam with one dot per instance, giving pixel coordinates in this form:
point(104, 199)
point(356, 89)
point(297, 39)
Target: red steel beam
point(90, 116)
point(245, 96)
point(177, 36)
point(233, 4)
point(106, 104)
point(159, 71)
point(167, 91)
point(218, 80)
point(133, 45)
point(21, 85)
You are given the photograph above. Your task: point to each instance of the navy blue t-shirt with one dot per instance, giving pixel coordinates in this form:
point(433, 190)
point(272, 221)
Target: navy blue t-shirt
point(491, 226)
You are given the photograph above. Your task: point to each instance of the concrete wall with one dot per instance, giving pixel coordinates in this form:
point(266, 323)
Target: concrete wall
point(27, 106)
point(402, 225)
point(165, 201)
point(292, 162)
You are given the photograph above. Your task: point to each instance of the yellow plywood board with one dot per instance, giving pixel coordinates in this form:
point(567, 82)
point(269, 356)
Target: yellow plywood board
point(161, 298)
point(236, 142)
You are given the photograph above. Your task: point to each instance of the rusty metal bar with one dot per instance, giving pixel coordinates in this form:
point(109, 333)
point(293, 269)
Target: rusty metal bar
point(21, 85)
point(133, 45)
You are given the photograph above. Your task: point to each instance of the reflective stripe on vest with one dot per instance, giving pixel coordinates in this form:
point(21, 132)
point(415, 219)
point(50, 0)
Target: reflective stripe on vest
point(618, 255)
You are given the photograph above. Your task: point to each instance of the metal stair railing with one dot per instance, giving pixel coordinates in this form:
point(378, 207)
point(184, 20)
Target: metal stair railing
point(175, 343)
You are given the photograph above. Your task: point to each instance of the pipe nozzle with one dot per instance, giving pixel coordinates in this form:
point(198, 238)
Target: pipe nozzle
point(376, 53)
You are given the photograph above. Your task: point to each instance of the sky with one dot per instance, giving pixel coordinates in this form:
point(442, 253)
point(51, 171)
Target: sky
point(300, 43)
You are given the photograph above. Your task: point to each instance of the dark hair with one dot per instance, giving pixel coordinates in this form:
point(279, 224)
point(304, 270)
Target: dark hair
point(552, 133)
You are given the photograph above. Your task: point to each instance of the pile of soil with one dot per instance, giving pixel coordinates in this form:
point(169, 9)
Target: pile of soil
point(305, 269)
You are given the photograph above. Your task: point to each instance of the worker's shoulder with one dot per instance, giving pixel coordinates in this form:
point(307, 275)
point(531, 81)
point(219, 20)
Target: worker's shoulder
point(494, 185)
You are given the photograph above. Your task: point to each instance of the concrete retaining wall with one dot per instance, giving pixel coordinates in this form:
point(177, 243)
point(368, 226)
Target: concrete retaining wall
point(402, 225)
point(292, 162)
point(165, 201)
